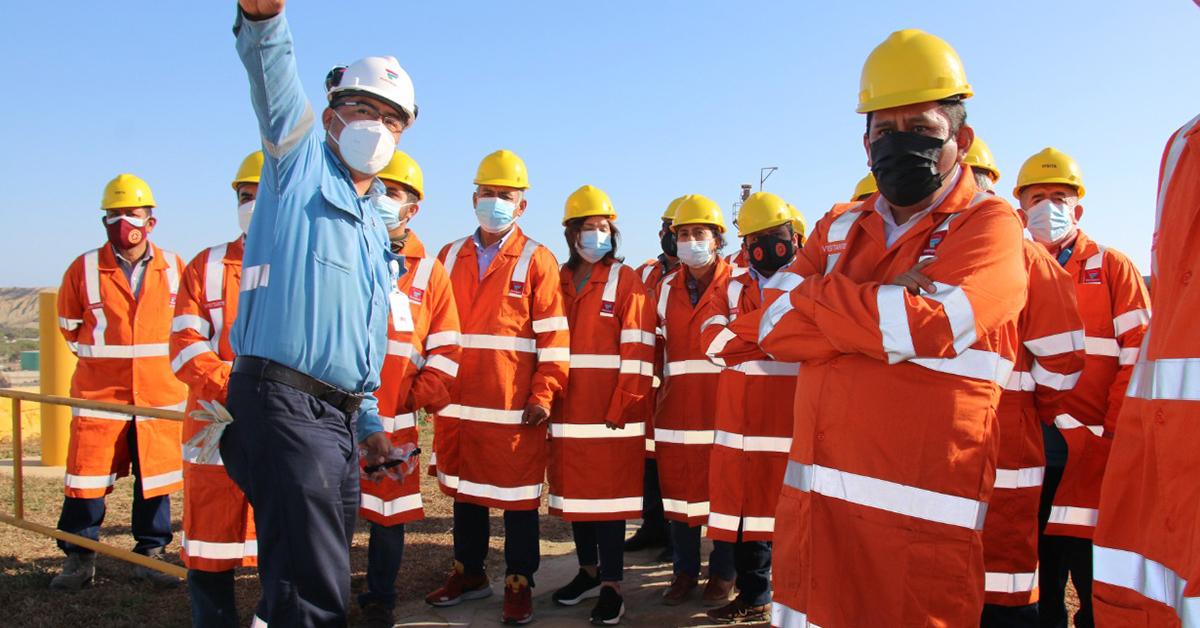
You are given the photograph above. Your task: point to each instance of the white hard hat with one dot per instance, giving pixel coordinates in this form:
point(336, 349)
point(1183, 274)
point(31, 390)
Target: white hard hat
point(381, 77)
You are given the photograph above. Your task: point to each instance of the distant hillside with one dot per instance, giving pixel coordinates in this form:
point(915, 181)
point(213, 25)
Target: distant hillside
point(19, 308)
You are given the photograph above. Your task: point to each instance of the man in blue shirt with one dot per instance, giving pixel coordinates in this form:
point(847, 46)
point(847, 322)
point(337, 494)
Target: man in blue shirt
point(311, 331)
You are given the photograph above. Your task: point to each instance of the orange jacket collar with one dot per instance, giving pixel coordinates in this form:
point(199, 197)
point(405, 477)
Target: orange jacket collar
point(413, 246)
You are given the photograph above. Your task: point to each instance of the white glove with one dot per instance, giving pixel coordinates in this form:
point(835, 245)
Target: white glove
point(204, 447)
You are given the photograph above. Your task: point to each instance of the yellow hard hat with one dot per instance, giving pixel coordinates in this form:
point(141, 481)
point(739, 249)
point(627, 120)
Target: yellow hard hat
point(251, 169)
point(866, 186)
point(909, 67)
point(697, 209)
point(404, 169)
point(669, 214)
point(762, 210)
point(588, 200)
point(127, 190)
point(980, 158)
point(1050, 166)
point(799, 225)
point(503, 168)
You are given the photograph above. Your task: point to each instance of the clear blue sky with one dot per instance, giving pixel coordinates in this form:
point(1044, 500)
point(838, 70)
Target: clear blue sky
point(647, 100)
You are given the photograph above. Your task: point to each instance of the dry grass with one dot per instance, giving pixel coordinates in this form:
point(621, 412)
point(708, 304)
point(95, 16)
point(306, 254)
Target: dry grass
point(28, 561)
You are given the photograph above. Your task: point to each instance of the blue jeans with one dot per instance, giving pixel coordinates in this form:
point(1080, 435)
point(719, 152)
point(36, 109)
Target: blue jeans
point(151, 517)
point(294, 456)
point(685, 540)
point(601, 544)
point(385, 551)
point(472, 530)
point(753, 562)
point(214, 604)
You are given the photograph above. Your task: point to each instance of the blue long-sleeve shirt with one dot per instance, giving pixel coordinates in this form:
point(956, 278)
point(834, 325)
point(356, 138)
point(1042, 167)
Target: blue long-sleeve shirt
point(317, 269)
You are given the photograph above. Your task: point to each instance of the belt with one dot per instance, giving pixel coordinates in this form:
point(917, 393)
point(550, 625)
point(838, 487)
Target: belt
point(343, 400)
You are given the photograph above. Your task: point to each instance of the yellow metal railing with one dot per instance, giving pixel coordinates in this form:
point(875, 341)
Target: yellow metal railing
point(18, 517)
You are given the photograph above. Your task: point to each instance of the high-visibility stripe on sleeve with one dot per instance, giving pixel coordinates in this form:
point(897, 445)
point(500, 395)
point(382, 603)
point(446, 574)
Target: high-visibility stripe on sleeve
point(193, 322)
point(441, 339)
point(254, 277)
point(958, 311)
point(1013, 479)
point(1066, 342)
point(733, 296)
point(554, 354)
point(768, 368)
point(89, 481)
point(1131, 320)
point(498, 343)
point(502, 493)
point(596, 430)
point(740, 442)
point(580, 505)
point(973, 363)
point(771, 317)
point(636, 367)
point(690, 367)
point(718, 345)
point(880, 494)
point(151, 482)
point(592, 361)
point(402, 349)
point(189, 352)
point(554, 323)
point(1073, 516)
point(1175, 379)
point(69, 324)
point(155, 350)
point(716, 319)
point(390, 507)
point(1148, 578)
point(684, 437)
point(443, 364)
point(893, 323)
point(1000, 582)
point(1020, 381)
point(783, 281)
point(1050, 379)
point(1068, 422)
point(1101, 346)
point(483, 415)
point(1128, 356)
point(399, 422)
point(637, 336)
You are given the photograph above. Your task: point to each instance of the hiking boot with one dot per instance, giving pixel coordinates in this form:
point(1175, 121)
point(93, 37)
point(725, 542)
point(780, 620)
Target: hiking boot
point(716, 591)
point(578, 590)
point(645, 539)
point(154, 576)
point(518, 600)
point(77, 572)
point(609, 608)
point(739, 612)
point(459, 587)
point(378, 615)
point(681, 588)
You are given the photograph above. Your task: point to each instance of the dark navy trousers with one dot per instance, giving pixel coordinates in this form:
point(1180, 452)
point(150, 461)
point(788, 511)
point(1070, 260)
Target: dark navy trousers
point(295, 457)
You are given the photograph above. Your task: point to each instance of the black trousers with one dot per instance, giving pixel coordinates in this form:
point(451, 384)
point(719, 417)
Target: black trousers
point(295, 458)
point(472, 529)
point(654, 519)
point(601, 544)
point(996, 616)
point(1060, 557)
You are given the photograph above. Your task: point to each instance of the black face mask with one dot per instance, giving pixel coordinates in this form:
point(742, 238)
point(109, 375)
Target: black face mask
point(906, 166)
point(670, 248)
point(770, 253)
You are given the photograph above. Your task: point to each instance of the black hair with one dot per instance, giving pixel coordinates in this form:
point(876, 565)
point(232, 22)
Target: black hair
point(571, 232)
point(953, 108)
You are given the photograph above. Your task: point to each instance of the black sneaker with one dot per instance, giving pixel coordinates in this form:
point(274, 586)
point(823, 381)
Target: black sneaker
point(578, 590)
point(645, 539)
point(609, 608)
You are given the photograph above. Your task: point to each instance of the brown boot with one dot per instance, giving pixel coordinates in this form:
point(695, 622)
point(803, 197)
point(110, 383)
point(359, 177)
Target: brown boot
point(716, 591)
point(739, 612)
point(680, 589)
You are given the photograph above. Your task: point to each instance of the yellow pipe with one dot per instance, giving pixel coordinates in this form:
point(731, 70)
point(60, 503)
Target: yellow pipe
point(57, 367)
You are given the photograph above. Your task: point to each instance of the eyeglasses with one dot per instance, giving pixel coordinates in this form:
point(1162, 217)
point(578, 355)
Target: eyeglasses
point(362, 110)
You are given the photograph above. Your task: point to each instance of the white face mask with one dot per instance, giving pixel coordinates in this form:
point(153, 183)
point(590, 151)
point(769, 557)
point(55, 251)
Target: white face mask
point(366, 145)
point(245, 211)
point(696, 253)
point(1050, 221)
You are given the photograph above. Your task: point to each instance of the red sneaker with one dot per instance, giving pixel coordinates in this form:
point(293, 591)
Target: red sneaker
point(459, 586)
point(518, 600)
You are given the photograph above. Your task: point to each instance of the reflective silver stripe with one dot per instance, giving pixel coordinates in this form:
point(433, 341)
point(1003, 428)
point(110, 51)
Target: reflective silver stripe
point(151, 482)
point(774, 313)
point(452, 254)
point(441, 339)
point(69, 324)
point(498, 343)
point(1102, 346)
point(684, 437)
point(637, 367)
point(1131, 320)
point(1050, 379)
point(1176, 379)
point(650, 445)
point(999, 582)
point(443, 364)
point(290, 141)
point(447, 480)
point(554, 354)
point(254, 277)
point(1020, 381)
point(483, 415)
point(89, 481)
point(259, 622)
point(732, 440)
point(872, 492)
point(404, 350)
point(423, 271)
point(87, 413)
point(590, 361)
point(399, 422)
point(1073, 516)
point(685, 508)
point(91, 282)
point(156, 350)
point(784, 616)
point(893, 324)
point(1055, 344)
point(610, 289)
point(1128, 356)
point(715, 319)
point(1150, 579)
point(554, 323)
point(193, 322)
point(768, 368)
point(973, 363)
point(214, 550)
point(391, 507)
point(839, 230)
point(172, 271)
point(734, 294)
point(959, 313)
point(747, 524)
point(502, 493)
point(784, 281)
point(185, 355)
point(214, 279)
point(521, 270)
point(1028, 477)
point(1095, 261)
point(690, 367)
point(664, 289)
point(646, 272)
point(637, 336)
point(1068, 422)
point(617, 504)
point(718, 345)
point(1170, 161)
point(596, 430)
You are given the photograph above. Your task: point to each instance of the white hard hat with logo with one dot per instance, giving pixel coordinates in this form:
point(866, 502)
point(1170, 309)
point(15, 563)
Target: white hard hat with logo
point(381, 77)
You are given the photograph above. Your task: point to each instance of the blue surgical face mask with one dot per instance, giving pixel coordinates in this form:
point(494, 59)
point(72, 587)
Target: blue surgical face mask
point(1050, 221)
point(389, 210)
point(495, 214)
point(594, 245)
